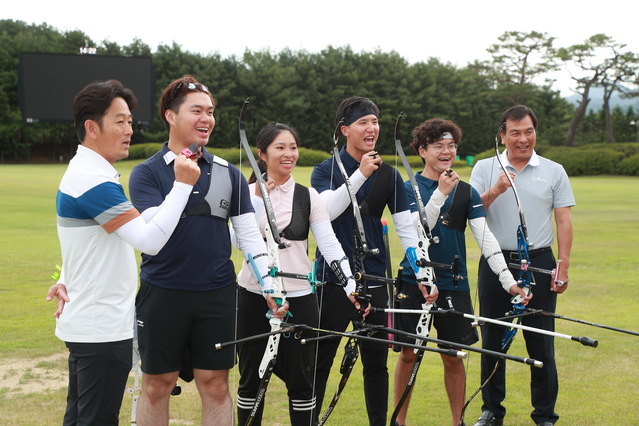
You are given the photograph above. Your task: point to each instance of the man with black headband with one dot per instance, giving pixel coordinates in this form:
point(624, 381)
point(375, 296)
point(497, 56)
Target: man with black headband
point(451, 205)
point(378, 185)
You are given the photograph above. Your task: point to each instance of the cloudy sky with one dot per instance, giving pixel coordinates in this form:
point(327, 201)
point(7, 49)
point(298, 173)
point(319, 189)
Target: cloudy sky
point(452, 31)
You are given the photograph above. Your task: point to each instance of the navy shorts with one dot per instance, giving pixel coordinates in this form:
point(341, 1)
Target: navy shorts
point(172, 322)
point(450, 327)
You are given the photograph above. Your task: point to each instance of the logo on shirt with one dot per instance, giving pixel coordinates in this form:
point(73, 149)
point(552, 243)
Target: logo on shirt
point(539, 179)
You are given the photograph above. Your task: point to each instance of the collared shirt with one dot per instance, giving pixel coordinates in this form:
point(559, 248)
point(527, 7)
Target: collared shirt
point(542, 186)
point(100, 271)
point(293, 259)
point(325, 176)
point(451, 241)
point(197, 257)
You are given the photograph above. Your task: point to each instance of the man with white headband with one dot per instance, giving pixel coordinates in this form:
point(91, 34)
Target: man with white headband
point(451, 205)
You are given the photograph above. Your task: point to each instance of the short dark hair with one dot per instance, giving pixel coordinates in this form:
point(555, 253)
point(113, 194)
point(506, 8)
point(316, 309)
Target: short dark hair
point(265, 138)
point(516, 113)
point(174, 94)
point(431, 131)
point(92, 103)
point(354, 105)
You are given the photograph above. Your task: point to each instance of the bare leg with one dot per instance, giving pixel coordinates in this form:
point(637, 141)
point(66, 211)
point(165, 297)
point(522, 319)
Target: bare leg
point(402, 375)
point(455, 382)
point(217, 406)
point(153, 405)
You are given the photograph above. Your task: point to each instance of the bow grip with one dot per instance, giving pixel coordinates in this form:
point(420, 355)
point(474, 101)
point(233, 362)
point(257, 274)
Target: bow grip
point(351, 354)
point(411, 255)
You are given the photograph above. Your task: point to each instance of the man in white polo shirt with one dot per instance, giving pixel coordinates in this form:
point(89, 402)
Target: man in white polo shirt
point(98, 229)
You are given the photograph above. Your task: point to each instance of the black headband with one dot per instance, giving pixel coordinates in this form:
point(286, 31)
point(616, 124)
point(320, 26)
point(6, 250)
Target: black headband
point(358, 111)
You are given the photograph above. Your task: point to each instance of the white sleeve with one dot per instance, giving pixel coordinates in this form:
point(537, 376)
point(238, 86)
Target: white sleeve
point(491, 251)
point(327, 241)
point(336, 201)
point(405, 229)
point(258, 205)
point(250, 241)
point(332, 251)
point(433, 207)
point(148, 233)
point(233, 236)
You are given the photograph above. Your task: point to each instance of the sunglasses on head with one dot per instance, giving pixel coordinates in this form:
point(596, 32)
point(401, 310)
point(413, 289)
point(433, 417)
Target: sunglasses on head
point(188, 86)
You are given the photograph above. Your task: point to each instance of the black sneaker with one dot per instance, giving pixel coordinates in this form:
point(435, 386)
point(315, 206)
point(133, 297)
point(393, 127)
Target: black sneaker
point(488, 418)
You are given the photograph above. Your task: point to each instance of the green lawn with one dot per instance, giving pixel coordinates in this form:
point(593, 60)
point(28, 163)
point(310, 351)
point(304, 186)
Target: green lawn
point(597, 386)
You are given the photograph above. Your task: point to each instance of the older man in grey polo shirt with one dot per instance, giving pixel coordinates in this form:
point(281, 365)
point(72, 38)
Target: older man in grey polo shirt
point(544, 190)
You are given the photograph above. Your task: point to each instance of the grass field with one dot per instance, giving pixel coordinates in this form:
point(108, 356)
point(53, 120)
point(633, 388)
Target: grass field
point(597, 386)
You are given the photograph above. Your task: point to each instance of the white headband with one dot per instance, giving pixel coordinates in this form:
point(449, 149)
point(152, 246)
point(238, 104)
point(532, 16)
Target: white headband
point(447, 135)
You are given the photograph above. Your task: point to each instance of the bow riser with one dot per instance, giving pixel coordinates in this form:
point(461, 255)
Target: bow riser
point(272, 345)
point(277, 284)
point(423, 324)
point(524, 280)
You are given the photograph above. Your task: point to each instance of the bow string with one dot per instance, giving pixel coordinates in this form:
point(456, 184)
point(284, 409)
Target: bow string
point(273, 244)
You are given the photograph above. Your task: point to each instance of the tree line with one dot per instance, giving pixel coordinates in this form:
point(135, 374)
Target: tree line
point(303, 89)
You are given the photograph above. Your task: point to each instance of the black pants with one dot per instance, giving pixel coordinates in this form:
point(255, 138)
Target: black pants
point(294, 363)
point(494, 303)
point(336, 312)
point(97, 379)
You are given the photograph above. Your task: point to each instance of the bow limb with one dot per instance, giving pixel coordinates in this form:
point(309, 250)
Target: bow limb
point(422, 330)
point(351, 353)
point(277, 291)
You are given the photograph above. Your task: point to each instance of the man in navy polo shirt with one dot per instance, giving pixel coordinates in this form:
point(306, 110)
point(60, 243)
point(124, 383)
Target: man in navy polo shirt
point(186, 300)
